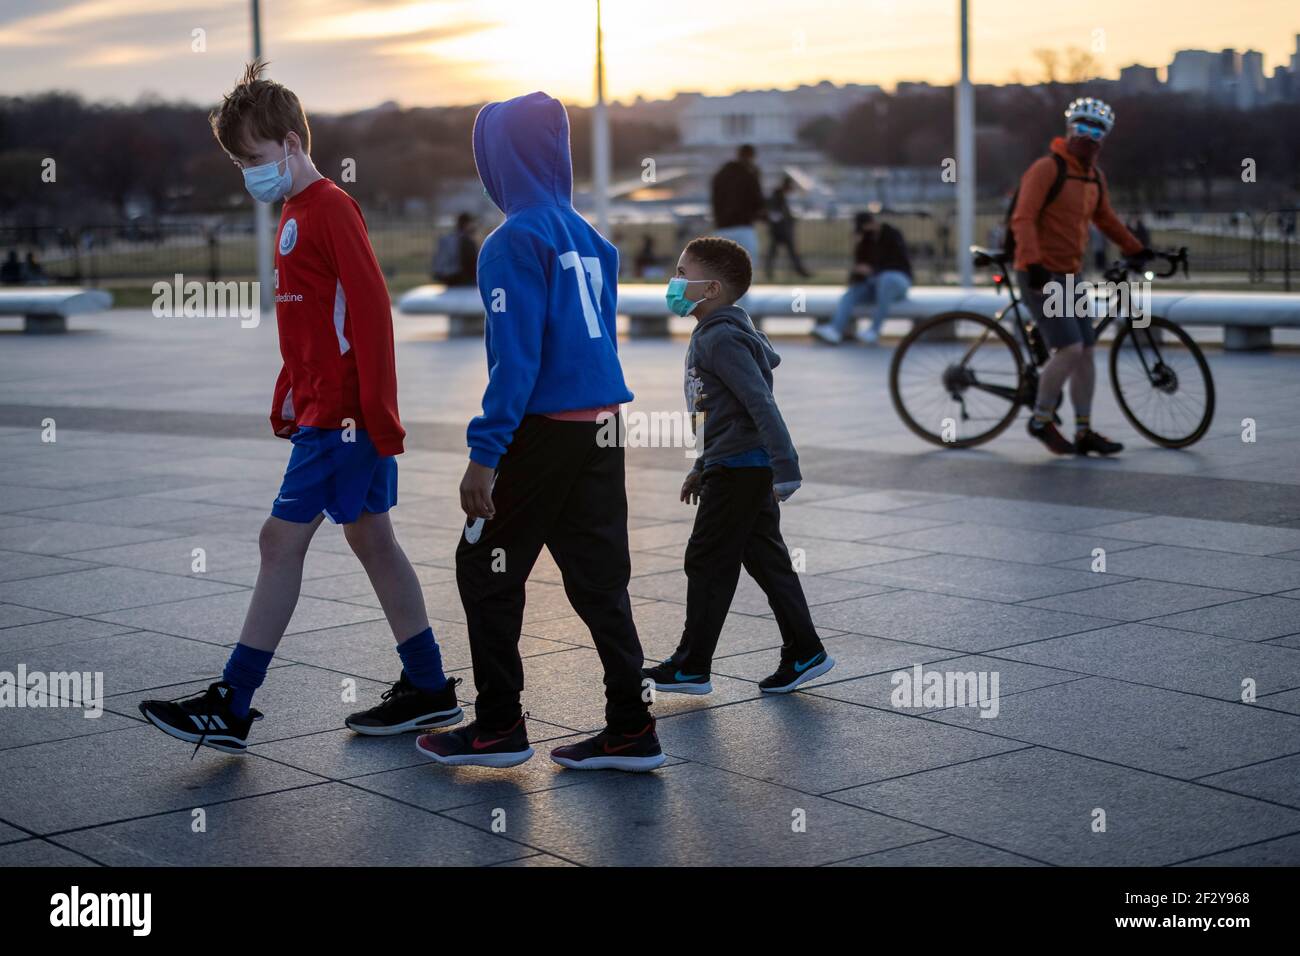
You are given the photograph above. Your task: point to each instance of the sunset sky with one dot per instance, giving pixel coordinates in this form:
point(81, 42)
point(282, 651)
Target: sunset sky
point(346, 54)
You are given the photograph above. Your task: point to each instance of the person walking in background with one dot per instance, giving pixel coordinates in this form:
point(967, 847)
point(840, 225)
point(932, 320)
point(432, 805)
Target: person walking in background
point(456, 261)
point(881, 276)
point(11, 272)
point(781, 222)
point(1097, 243)
point(1140, 231)
point(647, 263)
point(35, 271)
point(738, 202)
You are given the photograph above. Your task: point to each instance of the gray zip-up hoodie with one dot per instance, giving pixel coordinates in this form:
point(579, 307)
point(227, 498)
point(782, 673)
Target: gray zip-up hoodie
point(729, 393)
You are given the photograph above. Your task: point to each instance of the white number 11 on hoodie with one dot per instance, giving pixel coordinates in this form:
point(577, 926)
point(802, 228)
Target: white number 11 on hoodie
point(590, 308)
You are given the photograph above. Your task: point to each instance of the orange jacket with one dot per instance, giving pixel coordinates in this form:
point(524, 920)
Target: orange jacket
point(1057, 236)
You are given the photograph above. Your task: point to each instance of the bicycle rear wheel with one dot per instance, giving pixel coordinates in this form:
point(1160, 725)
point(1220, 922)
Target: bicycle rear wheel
point(1162, 383)
point(956, 379)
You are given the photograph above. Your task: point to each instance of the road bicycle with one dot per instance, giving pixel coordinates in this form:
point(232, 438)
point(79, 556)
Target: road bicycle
point(960, 379)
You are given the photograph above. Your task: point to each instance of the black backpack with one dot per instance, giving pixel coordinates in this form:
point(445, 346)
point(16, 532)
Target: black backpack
point(1062, 174)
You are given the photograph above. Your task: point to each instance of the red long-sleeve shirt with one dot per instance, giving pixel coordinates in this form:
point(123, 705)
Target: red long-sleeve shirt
point(335, 320)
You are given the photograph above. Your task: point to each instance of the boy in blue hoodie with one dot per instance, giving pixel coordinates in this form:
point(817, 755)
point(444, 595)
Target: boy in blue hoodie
point(747, 463)
point(541, 469)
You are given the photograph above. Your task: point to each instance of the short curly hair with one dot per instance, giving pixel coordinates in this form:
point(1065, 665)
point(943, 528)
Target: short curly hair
point(726, 260)
point(258, 108)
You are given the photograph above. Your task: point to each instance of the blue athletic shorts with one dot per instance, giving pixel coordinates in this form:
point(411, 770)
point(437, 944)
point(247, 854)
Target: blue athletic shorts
point(337, 477)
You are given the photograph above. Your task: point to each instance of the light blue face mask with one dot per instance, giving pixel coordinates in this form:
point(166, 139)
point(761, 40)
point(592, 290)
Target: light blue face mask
point(266, 183)
point(676, 296)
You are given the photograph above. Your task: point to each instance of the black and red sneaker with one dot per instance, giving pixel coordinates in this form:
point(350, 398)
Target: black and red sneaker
point(637, 752)
point(477, 746)
point(1091, 441)
point(1050, 435)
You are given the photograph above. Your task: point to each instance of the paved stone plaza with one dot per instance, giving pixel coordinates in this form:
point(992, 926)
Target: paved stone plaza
point(1120, 692)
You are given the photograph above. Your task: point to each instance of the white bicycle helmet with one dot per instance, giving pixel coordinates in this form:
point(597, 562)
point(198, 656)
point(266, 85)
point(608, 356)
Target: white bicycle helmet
point(1090, 110)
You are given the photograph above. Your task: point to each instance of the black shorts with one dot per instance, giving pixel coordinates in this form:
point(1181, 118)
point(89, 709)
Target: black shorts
point(1058, 331)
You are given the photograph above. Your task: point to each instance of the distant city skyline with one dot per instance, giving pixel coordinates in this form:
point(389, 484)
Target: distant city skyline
point(342, 55)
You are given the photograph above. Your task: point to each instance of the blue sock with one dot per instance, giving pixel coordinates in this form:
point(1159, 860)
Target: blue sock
point(423, 661)
point(245, 672)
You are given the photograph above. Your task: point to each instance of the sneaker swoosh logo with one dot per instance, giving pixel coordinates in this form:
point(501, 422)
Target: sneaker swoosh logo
point(800, 668)
point(680, 676)
point(614, 750)
point(480, 744)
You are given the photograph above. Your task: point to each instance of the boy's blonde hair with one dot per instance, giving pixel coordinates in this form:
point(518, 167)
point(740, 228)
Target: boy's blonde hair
point(258, 108)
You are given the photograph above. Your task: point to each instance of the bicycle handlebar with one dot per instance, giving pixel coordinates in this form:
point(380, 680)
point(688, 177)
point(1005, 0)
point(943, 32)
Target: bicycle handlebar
point(1175, 259)
point(1120, 269)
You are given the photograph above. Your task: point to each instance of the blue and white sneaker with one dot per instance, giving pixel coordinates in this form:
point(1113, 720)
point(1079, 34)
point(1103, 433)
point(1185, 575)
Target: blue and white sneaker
point(794, 672)
point(670, 679)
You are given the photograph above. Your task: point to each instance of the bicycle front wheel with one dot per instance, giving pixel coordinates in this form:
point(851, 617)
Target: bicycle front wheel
point(956, 379)
point(1162, 383)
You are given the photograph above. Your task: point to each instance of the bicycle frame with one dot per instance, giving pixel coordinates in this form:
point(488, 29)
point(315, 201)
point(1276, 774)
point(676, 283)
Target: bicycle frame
point(965, 372)
point(1117, 273)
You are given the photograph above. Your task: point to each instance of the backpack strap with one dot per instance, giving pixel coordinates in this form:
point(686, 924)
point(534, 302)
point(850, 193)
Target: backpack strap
point(1062, 173)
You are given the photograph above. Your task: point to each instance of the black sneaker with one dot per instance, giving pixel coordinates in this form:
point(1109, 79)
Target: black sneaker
point(405, 707)
point(1085, 442)
point(668, 677)
point(1050, 435)
point(477, 746)
point(608, 750)
point(204, 720)
point(794, 672)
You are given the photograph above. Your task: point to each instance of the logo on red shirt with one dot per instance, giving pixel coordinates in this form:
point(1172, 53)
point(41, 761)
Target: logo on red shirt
point(288, 237)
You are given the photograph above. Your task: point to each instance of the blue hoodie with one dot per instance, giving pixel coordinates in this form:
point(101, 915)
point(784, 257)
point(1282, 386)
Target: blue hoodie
point(547, 278)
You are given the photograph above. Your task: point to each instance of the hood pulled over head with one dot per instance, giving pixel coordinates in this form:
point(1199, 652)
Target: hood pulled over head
point(521, 149)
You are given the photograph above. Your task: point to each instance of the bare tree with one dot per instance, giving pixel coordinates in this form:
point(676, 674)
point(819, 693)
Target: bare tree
point(1080, 65)
point(1049, 61)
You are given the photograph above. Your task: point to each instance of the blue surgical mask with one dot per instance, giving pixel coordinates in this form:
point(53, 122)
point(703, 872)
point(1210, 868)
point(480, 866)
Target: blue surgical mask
point(678, 304)
point(266, 183)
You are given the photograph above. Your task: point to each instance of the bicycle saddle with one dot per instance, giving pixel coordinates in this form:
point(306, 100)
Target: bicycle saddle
point(988, 257)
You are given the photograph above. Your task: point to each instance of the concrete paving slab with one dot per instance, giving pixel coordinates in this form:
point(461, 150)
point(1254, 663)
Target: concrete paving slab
point(1043, 804)
point(638, 820)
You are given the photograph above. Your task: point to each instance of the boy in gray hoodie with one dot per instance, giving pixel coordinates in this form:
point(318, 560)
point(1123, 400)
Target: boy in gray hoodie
point(746, 464)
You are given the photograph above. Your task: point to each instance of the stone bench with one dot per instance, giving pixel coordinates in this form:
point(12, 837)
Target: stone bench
point(1247, 318)
point(45, 309)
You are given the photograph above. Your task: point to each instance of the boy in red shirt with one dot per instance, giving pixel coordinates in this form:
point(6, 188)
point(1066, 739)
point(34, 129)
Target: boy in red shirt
point(336, 400)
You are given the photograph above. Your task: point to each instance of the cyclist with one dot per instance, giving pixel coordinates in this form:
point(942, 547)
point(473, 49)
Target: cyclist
point(1059, 195)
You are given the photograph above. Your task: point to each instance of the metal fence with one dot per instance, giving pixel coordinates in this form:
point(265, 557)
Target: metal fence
point(1244, 248)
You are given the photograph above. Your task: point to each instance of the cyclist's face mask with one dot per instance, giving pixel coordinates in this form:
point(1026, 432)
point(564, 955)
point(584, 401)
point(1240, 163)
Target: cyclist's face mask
point(1084, 141)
